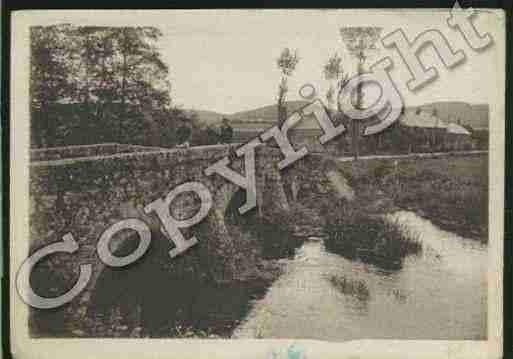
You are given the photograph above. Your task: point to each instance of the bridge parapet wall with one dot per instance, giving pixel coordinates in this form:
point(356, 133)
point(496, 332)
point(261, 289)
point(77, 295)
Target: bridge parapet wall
point(101, 149)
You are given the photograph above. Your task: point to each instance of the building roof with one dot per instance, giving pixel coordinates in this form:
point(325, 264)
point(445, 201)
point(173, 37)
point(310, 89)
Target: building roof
point(455, 128)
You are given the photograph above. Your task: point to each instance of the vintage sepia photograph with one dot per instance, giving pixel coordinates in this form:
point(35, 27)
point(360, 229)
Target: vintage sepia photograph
point(331, 175)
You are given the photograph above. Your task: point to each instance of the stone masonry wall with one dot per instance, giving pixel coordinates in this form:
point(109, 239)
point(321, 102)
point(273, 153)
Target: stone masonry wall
point(84, 196)
point(102, 149)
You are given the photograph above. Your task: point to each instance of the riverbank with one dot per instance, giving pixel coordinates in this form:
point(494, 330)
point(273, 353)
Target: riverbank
point(356, 235)
point(357, 230)
point(351, 214)
point(450, 191)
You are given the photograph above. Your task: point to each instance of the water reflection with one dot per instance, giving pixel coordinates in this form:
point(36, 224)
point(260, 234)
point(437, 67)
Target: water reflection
point(440, 294)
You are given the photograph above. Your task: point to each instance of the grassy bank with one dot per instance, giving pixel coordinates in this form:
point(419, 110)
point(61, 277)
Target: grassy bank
point(357, 235)
point(351, 209)
point(353, 287)
point(452, 192)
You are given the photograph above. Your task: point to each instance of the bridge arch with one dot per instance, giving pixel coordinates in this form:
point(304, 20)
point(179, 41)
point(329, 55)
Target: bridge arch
point(101, 190)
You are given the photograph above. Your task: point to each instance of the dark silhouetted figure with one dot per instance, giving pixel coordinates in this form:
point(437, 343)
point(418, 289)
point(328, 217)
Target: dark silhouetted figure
point(183, 133)
point(226, 132)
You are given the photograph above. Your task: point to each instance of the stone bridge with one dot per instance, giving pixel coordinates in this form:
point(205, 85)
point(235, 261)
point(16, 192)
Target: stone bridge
point(83, 190)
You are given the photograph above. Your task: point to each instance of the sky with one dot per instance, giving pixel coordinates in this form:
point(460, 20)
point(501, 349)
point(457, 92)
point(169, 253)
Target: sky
point(226, 61)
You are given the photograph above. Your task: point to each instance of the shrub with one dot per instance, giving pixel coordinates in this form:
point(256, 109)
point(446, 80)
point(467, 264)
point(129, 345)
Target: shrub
point(370, 239)
point(354, 287)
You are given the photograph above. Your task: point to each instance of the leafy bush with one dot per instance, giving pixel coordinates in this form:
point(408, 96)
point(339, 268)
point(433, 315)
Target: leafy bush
point(354, 287)
point(370, 239)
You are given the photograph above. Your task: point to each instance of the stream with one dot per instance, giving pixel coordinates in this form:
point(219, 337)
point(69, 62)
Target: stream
point(438, 294)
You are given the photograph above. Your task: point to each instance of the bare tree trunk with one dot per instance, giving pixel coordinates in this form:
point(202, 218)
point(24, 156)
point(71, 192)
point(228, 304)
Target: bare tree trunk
point(88, 125)
point(123, 83)
point(355, 123)
point(100, 107)
point(282, 108)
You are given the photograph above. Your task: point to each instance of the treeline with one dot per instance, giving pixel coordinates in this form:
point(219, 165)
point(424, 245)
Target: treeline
point(102, 84)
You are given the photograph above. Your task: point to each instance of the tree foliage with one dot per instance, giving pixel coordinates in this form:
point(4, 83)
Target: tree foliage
point(286, 62)
point(360, 41)
point(97, 84)
point(334, 72)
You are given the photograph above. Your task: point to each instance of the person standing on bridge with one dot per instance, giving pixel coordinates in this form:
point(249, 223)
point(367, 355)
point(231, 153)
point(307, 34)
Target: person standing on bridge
point(226, 132)
point(183, 135)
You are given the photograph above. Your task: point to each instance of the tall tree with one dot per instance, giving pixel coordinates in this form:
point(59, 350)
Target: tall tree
point(286, 62)
point(360, 42)
point(334, 73)
point(141, 77)
point(112, 77)
point(50, 82)
point(338, 78)
point(95, 79)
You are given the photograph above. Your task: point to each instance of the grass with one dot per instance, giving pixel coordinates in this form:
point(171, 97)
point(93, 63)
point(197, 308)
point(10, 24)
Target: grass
point(452, 192)
point(187, 332)
point(353, 287)
point(372, 239)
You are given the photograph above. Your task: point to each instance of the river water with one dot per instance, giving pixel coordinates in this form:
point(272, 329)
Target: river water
point(439, 294)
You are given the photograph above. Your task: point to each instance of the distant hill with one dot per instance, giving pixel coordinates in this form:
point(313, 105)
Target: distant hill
point(208, 117)
point(265, 114)
point(475, 116)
